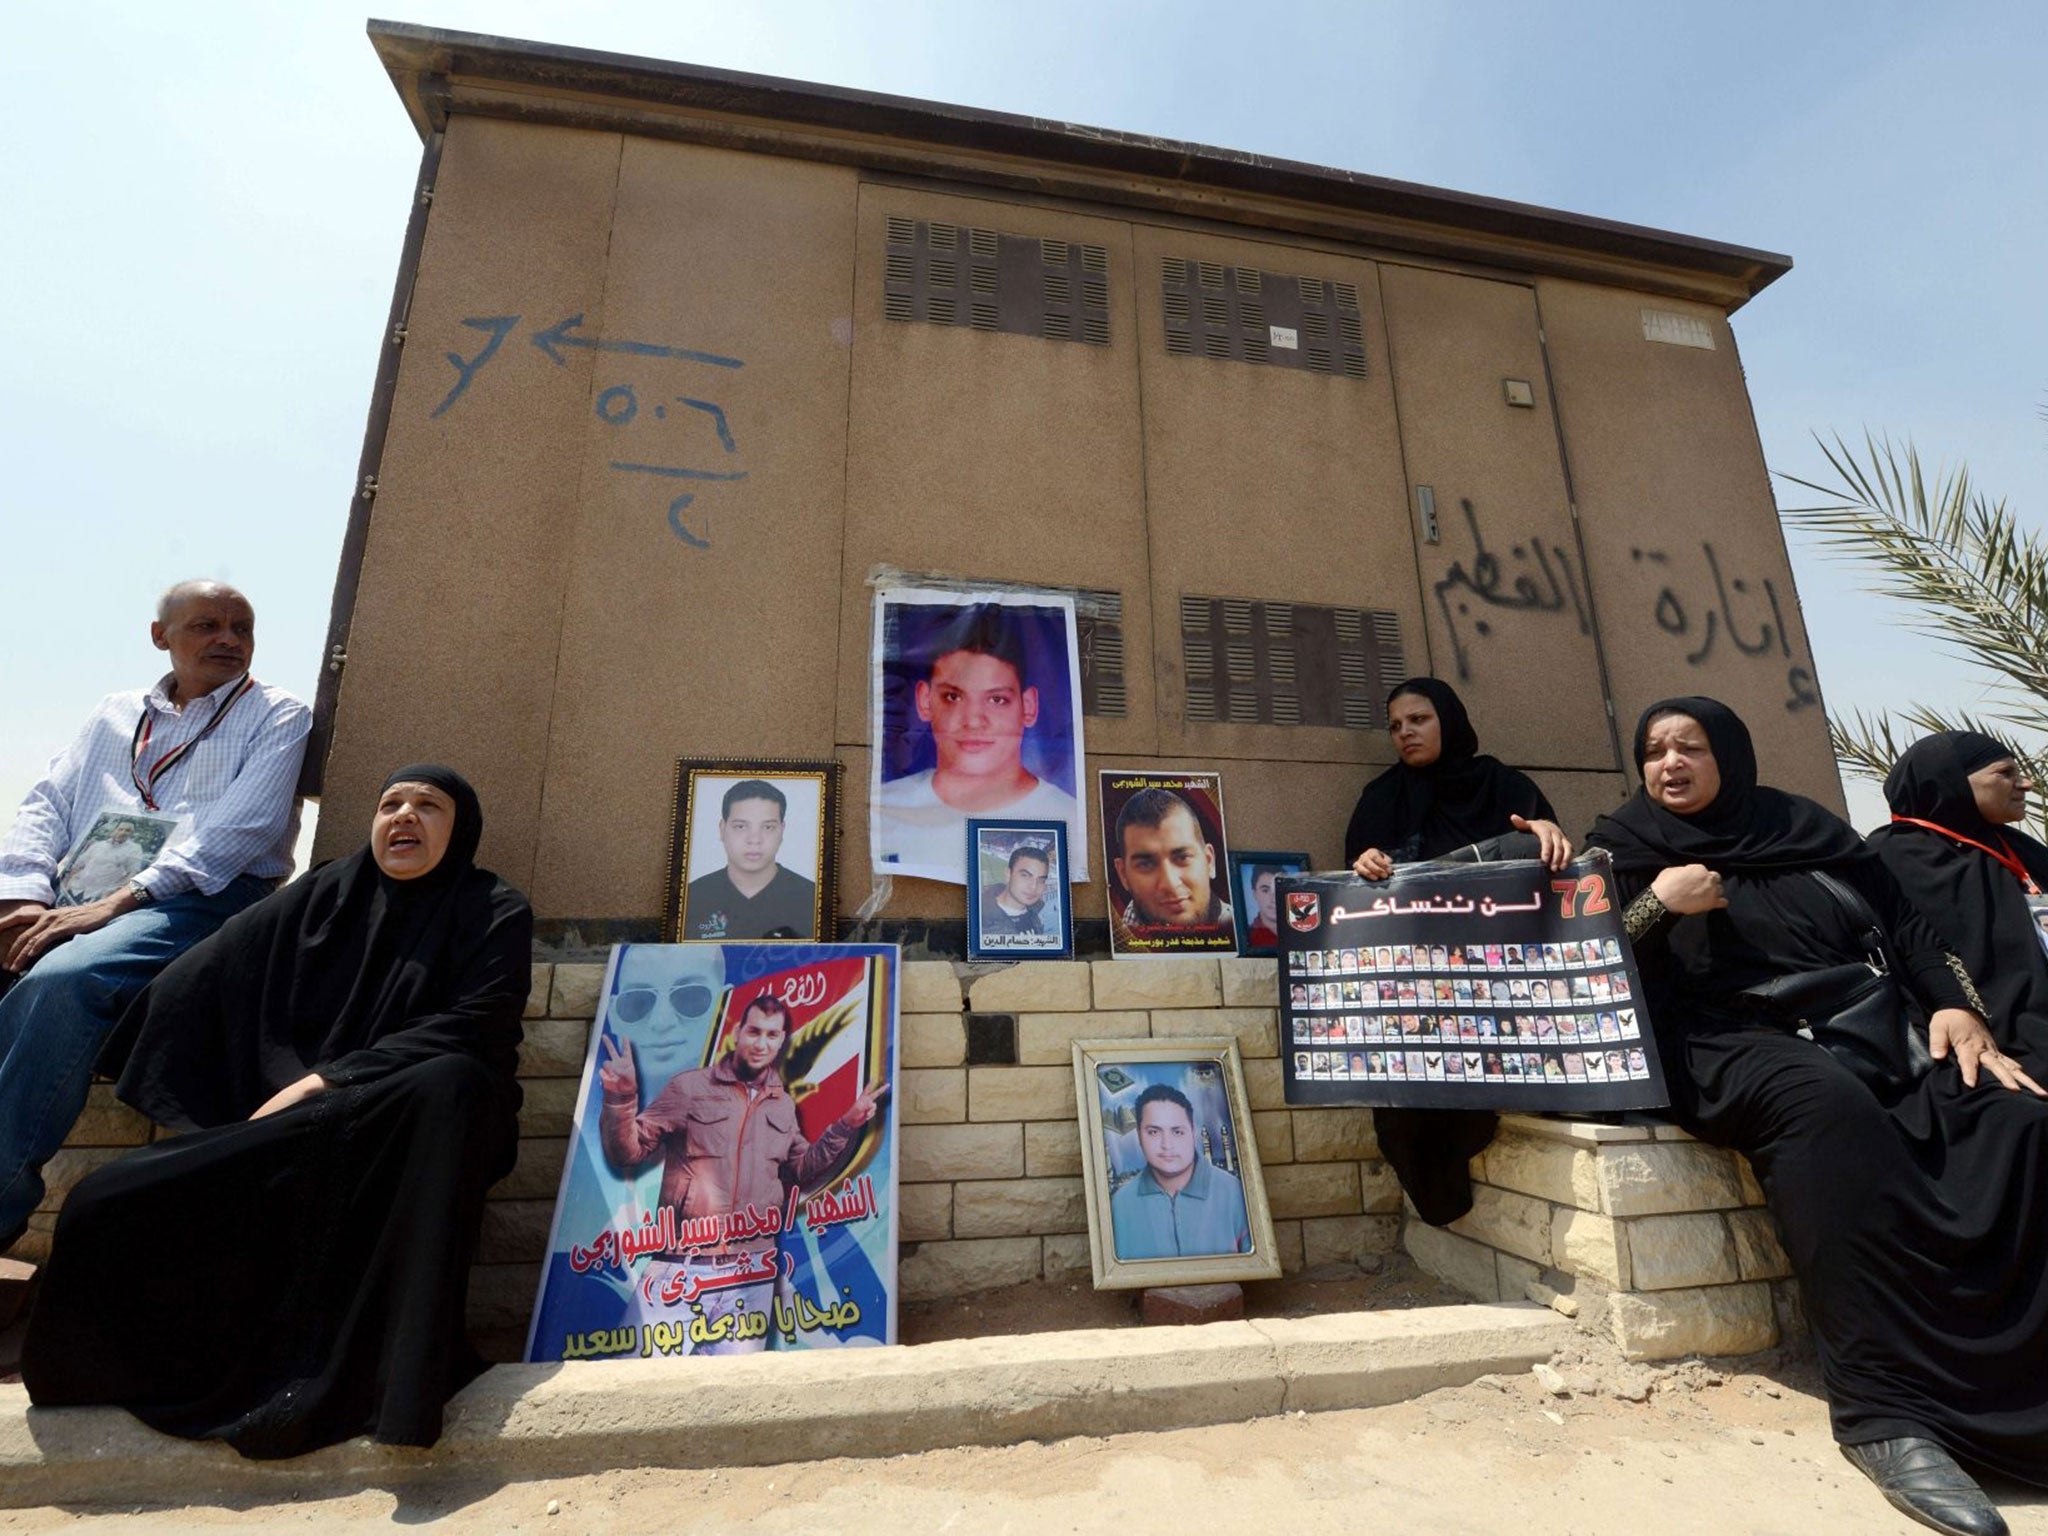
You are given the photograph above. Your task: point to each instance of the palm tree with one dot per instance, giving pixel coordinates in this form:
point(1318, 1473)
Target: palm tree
point(1969, 577)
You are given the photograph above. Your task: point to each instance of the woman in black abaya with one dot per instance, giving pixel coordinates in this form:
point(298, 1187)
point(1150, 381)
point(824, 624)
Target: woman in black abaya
point(1916, 1220)
point(1442, 796)
point(1954, 848)
point(292, 1271)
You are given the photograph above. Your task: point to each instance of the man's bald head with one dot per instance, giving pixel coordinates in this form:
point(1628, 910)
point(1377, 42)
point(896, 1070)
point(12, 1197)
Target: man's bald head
point(210, 630)
point(175, 597)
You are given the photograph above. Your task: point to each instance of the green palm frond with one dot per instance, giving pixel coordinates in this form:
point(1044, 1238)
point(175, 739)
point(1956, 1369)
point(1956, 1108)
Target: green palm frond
point(1970, 578)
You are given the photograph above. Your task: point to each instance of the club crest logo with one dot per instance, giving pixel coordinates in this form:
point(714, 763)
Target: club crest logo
point(1304, 911)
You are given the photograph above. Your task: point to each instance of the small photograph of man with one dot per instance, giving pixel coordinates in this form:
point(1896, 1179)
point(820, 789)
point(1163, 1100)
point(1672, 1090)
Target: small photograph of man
point(1164, 848)
point(1172, 1160)
point(1019, 904)
point(739, 886)
point(117, 849)
point(1255, 878)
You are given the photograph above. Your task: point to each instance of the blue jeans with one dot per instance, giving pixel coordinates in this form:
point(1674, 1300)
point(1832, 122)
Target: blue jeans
point(55, 1018)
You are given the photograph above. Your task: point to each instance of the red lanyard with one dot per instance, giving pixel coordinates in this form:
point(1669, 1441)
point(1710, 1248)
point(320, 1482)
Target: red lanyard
point(145, 783)
point(2008, 858)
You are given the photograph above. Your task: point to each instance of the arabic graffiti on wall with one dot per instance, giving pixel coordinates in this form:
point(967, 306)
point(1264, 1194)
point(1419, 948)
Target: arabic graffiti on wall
point(1468, 593)
point(1699, 626)
point(619, 406)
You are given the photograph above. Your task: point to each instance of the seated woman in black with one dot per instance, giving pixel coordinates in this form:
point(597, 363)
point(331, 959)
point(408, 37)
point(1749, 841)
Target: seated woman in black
point(1442, 796)
point(1916, 1219)
point(291, 1272)
point(1954, 847)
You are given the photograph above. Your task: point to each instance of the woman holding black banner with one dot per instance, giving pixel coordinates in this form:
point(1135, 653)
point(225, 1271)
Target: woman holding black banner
point(1954, 846)
point(1913, 1202)
point(291, 1271)
point(1443, 796)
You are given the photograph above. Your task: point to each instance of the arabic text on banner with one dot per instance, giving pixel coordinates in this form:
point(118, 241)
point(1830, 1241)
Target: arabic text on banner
point(1482, 986)
point(719, 1218)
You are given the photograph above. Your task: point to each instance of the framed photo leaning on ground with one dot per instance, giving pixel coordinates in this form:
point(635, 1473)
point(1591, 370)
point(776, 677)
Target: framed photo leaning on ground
point(752, 848)
point(1019, 891)
point(1171, 1170)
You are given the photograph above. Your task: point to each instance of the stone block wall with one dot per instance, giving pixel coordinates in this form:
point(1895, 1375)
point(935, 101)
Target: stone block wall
point(1642, 1232)
point(1645, 1233)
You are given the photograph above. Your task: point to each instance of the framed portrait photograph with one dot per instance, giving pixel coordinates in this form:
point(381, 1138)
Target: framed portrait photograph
point(1255, 875)
point(752, 849)
point(1166, 863)
point(1019, 905)
point(977, 712)
point(1170, 1165)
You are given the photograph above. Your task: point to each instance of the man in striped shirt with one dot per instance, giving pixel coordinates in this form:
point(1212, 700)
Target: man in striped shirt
point(209, 760)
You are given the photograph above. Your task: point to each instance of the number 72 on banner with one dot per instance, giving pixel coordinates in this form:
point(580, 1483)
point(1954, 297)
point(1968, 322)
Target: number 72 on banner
point(1591, 888)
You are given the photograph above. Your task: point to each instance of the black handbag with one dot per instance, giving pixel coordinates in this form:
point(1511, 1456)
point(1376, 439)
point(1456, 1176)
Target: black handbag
point(1862, 1015)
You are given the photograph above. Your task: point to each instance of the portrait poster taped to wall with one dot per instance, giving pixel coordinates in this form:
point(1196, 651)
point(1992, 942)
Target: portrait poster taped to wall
point(1166, 863)
point(977, 712)
point(1483, 986)
point(731, 1176)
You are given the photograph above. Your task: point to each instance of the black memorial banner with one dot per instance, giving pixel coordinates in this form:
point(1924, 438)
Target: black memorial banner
point(1463, 986)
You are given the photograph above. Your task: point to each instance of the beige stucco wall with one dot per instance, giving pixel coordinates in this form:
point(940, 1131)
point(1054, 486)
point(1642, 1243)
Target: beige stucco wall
point(528, 612)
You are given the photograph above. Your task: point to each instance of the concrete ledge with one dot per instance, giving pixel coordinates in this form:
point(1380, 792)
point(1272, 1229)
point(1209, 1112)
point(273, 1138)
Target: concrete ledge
point(526, 1421)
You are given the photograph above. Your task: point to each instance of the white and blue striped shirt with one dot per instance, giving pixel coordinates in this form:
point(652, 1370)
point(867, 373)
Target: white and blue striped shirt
point(236, 786)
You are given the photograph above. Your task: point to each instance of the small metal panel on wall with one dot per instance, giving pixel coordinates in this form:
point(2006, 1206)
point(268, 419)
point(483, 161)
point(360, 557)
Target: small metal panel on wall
point(955, 274)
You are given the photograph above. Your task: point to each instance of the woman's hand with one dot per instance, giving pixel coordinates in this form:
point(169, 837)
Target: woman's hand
point(1689, 888)
point(1373, 865)
point(290, 1094)
point(1553, 847)
point(1960, 1032)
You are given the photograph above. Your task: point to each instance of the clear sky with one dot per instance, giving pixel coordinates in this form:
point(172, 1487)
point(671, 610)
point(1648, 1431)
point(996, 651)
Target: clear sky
point(204, 202)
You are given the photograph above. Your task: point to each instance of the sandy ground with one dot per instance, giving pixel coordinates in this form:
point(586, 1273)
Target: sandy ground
point(1603, 1447)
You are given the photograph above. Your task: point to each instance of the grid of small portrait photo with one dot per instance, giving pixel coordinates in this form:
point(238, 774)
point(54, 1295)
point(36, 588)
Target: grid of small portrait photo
point(1529, 1013)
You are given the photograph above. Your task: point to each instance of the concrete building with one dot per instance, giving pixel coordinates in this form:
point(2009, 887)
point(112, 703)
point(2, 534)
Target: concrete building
point(682, 361)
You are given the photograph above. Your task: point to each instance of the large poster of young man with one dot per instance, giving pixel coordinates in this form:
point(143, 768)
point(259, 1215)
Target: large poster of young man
point(977, 711)
point(730, 1183)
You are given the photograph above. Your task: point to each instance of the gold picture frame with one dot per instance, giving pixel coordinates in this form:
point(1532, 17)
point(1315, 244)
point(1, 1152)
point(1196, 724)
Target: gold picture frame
point(1187, 1100)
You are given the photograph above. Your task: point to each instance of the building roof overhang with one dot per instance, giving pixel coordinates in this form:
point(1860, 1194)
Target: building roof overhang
point(441, 74)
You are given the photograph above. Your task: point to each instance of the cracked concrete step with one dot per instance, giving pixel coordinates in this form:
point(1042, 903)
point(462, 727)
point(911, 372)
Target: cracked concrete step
point(525, 1421)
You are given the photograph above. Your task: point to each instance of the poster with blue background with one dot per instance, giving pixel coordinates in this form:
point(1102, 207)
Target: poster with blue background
point(731, 1176)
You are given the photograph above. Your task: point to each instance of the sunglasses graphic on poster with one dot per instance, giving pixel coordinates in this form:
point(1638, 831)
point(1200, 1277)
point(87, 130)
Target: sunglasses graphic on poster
point(1464, 986)
point(730, 1181)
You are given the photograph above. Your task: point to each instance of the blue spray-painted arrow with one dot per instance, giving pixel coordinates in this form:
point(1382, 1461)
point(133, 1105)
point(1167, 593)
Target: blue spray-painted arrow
point(557, 336)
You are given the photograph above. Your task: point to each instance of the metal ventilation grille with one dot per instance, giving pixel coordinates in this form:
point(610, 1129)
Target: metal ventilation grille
point(1262, 317)
point(1257, 663)
point(952, 274)
point(1099, 626)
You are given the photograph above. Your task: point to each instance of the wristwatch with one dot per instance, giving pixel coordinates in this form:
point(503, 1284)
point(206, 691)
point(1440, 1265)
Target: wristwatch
point(142, 893)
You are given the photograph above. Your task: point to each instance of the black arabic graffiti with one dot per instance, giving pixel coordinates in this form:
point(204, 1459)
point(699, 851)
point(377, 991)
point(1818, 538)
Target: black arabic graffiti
point(1526, 593)
point(1676, 620)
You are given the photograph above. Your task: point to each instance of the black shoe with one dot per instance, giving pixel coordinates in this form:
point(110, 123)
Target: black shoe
point(1923, 1482)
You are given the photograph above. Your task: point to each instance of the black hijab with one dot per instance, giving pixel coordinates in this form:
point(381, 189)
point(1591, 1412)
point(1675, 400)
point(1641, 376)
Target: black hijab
point(1976, 902)
point(1463, 797)
point(1748, 829)
point(346, 972)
